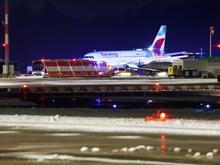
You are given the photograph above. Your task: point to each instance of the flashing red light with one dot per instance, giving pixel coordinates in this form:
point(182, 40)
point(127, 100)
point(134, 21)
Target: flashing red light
point(163, 116)
point(25, 86)
point(42, 98)
point(159, 116)
point(4, 45)
point(218, 102)
point(25, 90)
point(150, 118)
point(218, 46)
point(42, 60)
point(157, 84)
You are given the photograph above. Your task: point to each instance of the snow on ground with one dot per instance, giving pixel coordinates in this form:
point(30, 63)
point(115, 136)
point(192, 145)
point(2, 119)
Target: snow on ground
point(9, 132)
point(125, 137)
point(64, 134)
point(119, 125)
point(42, 158)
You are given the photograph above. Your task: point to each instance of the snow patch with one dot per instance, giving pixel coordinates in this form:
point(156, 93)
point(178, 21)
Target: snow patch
point(84, 149)
point(125, 137)
point(215, 151)
point(54, 118)
point(132, 149)
point(87, 149)
point(115, 150)
point(189, 150)
point(149, 148)
point(64, 134)
point(177, 150)
point(141, 147)
point(197, 155)
point(137, 148)
point(209, 155)
point(95, 149)
point(42, 158)
point(9, 132)
point(124, 149)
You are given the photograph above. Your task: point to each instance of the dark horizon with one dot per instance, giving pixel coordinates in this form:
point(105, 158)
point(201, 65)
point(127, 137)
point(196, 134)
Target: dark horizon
point(70, 29)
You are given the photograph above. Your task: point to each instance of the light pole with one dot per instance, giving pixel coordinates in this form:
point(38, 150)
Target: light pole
point(210, 45)
point(212, 32)
point(6, 44)
point(201, 49)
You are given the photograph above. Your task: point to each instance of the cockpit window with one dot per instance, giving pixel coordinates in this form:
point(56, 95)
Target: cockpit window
point(89, 57)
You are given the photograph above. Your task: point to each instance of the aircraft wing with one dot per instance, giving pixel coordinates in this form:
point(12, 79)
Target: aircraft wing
point(145, 69)
point(184, 53)
point(135, 67)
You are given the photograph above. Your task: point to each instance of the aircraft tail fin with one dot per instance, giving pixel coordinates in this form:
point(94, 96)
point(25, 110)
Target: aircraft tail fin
point(159, 42)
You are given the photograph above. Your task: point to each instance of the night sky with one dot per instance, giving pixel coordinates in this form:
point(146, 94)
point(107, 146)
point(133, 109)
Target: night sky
point(71, 28)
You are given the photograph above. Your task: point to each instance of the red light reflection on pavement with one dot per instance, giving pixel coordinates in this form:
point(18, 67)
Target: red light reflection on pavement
point(163, 144)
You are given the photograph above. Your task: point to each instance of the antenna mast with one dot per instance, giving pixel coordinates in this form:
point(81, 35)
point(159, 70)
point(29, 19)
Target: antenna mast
point(6, 44)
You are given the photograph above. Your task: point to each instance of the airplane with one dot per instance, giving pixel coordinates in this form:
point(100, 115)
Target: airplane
point(134, 58)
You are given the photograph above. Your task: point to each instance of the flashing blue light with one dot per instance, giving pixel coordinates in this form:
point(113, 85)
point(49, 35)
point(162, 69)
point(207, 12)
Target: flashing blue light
point(207, 106)
point(98, 101)
point(149, 101)
point(114, 106)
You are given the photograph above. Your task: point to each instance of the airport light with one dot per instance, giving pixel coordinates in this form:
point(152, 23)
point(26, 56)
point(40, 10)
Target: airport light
point(149, 101)
point(24, 86)
point(98, 100)
point(208, 106)
point(114, 106)
point(159, 116)
point(24, 89)
point(212, 32)
point(157, 84)
point(163, 116)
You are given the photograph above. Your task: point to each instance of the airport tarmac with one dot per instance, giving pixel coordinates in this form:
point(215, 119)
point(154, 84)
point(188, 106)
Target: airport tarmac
point(100, 81)
point(37, 135)
point(107, 136)
point(29, 147)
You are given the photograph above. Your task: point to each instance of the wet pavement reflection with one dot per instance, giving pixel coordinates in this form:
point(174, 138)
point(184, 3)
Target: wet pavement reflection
point(29, 147)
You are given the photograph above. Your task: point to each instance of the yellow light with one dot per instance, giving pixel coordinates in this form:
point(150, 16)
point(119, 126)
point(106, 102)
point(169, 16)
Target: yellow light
point(163, 116)
point(109, 68)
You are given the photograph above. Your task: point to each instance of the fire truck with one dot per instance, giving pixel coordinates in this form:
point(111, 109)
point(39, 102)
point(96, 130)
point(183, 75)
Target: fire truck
point(69, 68)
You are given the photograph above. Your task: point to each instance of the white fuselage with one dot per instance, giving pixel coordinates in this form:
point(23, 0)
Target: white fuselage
point(120, 58)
